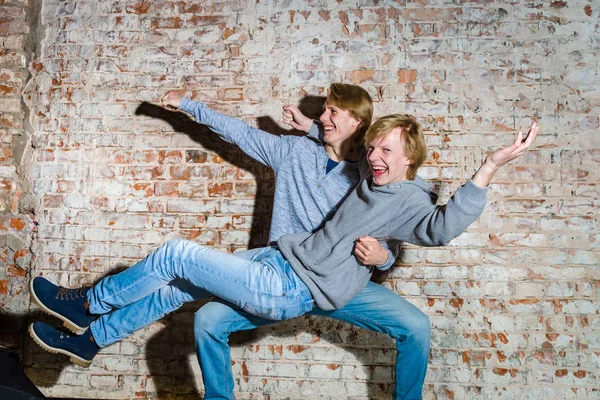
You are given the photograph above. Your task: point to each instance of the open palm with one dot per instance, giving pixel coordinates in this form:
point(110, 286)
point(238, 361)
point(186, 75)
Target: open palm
point(507, 154)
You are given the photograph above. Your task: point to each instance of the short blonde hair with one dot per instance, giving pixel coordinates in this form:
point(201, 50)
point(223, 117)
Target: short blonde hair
point(412, 138)
point(356, 101)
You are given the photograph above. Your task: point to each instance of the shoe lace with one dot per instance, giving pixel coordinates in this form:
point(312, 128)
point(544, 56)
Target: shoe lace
point(64, 335)
point(71, 294)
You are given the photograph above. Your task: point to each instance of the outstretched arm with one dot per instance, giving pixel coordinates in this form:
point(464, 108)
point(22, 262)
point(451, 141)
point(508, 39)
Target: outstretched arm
point(437, 225)
point(262, 146)
point(497, 159)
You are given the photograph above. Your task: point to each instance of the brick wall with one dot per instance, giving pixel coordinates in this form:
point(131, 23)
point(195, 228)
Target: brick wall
point(513, 302)
point(17, 218)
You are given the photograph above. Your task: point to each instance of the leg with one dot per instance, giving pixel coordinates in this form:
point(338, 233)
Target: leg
point(112, 327)
point(152, 279)
point(118, 324)
point(381, 310)
point(266, 287)
point(212, 325)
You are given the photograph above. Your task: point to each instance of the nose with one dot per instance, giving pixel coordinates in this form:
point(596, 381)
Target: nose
point(372, 155)
point(325, 116)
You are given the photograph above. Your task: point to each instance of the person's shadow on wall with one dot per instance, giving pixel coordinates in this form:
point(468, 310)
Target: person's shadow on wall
point(168, 351)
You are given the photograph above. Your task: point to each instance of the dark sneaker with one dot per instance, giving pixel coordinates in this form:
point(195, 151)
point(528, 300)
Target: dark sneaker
point(68, 305)
point(82, 349)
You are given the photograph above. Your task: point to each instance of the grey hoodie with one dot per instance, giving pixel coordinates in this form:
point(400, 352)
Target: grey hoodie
point(399, 212)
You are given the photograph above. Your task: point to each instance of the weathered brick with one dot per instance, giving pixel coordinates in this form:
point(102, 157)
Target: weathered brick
point(112, 185)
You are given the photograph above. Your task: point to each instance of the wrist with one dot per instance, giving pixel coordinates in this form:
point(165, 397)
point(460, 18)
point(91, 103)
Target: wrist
point(484, 174)
point(383, 260)
point(182, 103)
point(307, 126)
point(489, 167)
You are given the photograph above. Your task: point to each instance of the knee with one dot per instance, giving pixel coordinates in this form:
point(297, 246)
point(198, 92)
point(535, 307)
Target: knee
point(174, 245)
point(174, 248)
point(173, 295)
point(209, 323)
point(419, 330)
point(422, 326)
point(411, 328)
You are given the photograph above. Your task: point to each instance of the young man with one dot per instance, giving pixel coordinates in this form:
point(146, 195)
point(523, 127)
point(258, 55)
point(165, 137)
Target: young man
point(375, 308)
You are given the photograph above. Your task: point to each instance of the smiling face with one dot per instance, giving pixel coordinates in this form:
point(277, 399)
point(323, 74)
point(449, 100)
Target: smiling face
point(387, 158)
point(338, 125)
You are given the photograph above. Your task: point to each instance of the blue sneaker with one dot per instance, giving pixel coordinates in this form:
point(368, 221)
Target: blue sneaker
point(68, 305)
point(82, 349)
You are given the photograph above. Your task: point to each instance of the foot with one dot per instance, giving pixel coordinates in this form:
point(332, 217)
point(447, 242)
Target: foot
point(82, 349)
point(68, 305)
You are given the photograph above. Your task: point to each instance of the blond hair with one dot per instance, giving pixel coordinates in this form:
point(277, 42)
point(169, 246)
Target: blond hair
point(412, 138)
point(356, 101)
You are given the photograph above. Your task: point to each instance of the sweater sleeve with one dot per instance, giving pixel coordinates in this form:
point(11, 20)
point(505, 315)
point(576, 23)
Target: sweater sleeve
point(316, 132)
point(392, 255)
point(264, 147)
point(434, 225)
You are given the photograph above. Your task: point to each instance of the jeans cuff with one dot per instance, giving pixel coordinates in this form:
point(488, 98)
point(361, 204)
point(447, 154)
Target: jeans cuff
point(92, 329)
point(93, 307)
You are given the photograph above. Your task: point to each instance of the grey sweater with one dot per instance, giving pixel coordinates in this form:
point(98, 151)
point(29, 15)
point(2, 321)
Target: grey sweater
point(305, 196)
point(399, 212)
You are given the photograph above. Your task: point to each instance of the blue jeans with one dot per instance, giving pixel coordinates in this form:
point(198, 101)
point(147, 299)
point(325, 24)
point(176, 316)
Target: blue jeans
point(375, 308)
point(181, 271)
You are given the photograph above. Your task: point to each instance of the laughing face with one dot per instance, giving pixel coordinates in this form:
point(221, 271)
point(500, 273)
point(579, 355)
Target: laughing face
point(338, 124)
point(387, 159)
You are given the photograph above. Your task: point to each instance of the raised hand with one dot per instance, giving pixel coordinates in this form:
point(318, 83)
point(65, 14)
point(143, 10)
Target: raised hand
point(293, 117)
point(501, 157)
point(172, 99)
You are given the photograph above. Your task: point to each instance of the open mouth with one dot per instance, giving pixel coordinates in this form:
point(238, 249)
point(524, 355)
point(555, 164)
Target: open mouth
point(378, 171)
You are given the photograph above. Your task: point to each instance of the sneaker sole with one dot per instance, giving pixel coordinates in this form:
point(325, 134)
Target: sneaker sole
point(67, 323)
point(73, 357)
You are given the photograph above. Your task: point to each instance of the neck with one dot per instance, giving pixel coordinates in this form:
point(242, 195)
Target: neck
point(345, 151)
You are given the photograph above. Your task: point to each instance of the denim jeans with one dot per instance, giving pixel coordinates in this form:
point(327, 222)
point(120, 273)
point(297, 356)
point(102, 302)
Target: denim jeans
point(375, 308)
point(181, 271)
